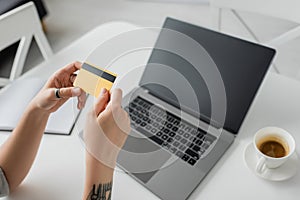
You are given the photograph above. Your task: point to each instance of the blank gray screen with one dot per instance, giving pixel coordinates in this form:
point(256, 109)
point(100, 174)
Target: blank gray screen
point(242, 66)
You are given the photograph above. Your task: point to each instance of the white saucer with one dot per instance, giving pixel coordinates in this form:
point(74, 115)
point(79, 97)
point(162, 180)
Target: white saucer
point(285, 171)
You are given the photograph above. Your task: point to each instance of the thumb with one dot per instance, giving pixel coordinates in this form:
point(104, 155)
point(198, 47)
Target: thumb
point(101, 101)
point(69, 92)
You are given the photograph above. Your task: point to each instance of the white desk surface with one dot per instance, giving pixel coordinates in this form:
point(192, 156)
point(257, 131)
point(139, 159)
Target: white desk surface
point(58, 171)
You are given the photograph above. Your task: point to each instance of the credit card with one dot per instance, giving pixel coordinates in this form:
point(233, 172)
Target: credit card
point(92, 78)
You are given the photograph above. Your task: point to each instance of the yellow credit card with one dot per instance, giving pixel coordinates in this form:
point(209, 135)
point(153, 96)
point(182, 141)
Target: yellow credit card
point(92, 78)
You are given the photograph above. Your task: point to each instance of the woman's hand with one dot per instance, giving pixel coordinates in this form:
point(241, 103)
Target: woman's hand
point(107, 127)
point(63, 80)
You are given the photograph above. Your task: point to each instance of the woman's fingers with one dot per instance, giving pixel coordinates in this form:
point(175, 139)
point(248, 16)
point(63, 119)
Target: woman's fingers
point(81, 100)
point(68, 92)
point(101, 101)
point(73, 67)
point(116, 99)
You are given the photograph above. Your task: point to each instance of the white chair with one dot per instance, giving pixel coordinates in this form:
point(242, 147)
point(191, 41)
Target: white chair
point(281, 9)
point(22, 24)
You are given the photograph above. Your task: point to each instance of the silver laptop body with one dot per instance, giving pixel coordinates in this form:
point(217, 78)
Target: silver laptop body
point(169, 150)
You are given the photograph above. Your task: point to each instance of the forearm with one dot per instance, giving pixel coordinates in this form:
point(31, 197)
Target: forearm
point(105, 133)
point(98, 181)
point(18, 152)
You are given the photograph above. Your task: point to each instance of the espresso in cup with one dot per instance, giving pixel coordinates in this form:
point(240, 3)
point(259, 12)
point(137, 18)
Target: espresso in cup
point(273, 147)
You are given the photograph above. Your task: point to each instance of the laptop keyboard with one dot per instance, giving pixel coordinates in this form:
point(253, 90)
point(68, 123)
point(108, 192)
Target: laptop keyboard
point(179, 137)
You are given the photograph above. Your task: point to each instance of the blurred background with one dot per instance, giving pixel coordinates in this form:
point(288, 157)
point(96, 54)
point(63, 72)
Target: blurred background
point(68, 20)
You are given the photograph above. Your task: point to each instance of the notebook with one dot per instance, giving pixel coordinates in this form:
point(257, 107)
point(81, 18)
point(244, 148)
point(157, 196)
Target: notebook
point(15, 97)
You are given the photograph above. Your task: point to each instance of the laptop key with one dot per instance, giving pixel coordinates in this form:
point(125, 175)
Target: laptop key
point(183, 141)
point(185, 157)
point(132, 105)
point(174, 129)
point(170, 140)
point(192, 154)
point(155, 124)
point(159, 134)
point(146, 106)
point(166, 130)
point(153, 116)
point(200, 136)
point(154, 130)
point(169, 126)
point(166, 145)
point(181, 126)
point(182, 147)
point(160, 127)
point(177, 137)
point(196, 148)
point(164, 137)
point(171, 119)
point(179, 154)
point(136, 100)
point(157, 140)
point(196, 141)
point(193, 132)
point(172, 134)
point(138, 108)
point(176, 144)
point(156, 110)
point(176, 122)
point(199, 142)
point(199, 131)
point(148, 127)
point(189, 144)
point(173, 150)
point(192, 139)
point(187, 129)
point(192, 161)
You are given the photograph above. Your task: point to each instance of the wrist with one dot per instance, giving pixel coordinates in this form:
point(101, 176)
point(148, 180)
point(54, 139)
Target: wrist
point(34, 108)
point(97, 171)
point(109, 162)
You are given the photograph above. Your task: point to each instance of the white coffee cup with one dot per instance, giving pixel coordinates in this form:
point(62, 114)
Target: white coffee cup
point(266, 140)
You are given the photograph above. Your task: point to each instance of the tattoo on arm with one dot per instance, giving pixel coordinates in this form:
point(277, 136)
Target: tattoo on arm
point(102, 192)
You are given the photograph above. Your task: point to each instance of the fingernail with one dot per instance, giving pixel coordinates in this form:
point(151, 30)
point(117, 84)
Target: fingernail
point(76, 91)
point(103, 91)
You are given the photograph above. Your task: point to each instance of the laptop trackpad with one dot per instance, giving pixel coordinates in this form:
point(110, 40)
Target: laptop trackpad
point(142, 158)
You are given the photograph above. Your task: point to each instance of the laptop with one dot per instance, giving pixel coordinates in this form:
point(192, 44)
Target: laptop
point(193, 96)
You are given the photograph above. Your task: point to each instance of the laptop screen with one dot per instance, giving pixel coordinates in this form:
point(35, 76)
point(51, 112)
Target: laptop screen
point(185, 76)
